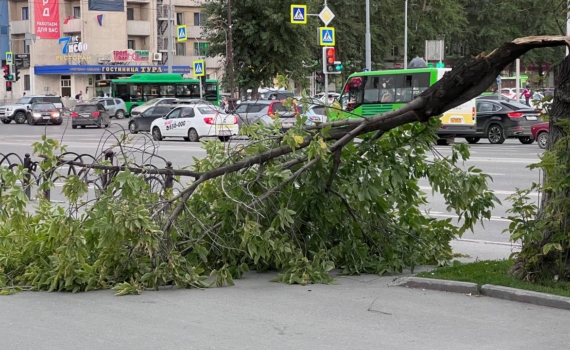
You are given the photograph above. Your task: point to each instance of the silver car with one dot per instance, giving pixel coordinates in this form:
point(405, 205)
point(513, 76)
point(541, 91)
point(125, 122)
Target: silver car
point(251, 112)
point(151, 103)
point(115, 106)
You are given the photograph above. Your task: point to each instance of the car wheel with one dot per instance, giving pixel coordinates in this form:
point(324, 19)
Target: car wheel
point(542, 140)
point(30, 121)
point(526, 140)
point(6, 121)
point(133, 128)
point(193, 135)
point(224, 138)
point(472, 140)
point(120, 114)
point(20, 118)
point(74, 126)
point(156, 134)
point(495, 134)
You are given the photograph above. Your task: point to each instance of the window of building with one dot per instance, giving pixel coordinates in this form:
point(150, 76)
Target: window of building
point(180, 49)
point(26, 48)
point(201, 49)
point(66, 85)
point(76, 11)
point(25, 13)
point(197, 19)
point(130, 14)
point(27, 82)
point(179, 18)
point(131, 44)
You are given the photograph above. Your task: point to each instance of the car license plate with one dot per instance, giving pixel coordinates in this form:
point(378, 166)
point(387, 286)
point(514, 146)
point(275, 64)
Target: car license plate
point(287, 125)
point(456, 120)
point(45, 117)
point(224, 132)
point(531, 118)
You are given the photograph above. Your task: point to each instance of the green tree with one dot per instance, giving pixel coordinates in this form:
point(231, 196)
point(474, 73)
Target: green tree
point(265, 43)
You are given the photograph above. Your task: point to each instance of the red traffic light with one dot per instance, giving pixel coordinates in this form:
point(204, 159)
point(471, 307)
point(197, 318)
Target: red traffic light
point(330, 55)
point(6, 70)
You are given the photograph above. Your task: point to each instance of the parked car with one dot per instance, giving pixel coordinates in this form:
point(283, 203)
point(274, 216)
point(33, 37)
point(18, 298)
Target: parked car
point(250, 112)
point(499, 120)
point(114, 106)
point(151, 103)
point(315, 113)
point(44, 112)
point(142, 122)
point(18, 111)
point(275, 95)
point(91, 113)
point(193, 122)
point(540, 133)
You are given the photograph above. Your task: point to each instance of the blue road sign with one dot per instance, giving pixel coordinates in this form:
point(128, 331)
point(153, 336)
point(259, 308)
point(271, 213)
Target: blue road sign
point(498, 80)
point(9, 58)
point(199, 68)
point(299, 14)
point(181, 33)
point(326, 36)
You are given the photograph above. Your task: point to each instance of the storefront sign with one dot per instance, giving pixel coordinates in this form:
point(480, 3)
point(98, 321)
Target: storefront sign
point(89, 69)
point(47, 19)
point(130, 55)
point(72, 49)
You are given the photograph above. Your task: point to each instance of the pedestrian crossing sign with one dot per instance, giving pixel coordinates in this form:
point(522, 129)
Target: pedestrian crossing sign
point(199, 68)
point(299, 14)
point(181, 33)
point(326, 36)
point(9, 58)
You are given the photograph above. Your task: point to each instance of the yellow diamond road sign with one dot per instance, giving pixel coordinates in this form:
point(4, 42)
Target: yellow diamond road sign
point(326, 16)
point(299, 14)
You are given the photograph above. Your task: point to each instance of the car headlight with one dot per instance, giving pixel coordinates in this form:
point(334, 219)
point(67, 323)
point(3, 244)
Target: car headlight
point(9, 109)
point(37, 115)
point(55, 114)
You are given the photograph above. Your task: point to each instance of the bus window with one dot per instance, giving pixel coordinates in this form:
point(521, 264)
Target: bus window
point(122, 92)
point(353, 94)
point(167, 91)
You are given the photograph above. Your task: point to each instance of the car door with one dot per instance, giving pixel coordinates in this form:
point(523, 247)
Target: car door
point(169, 125)
point(186, 121)
point(484, 114)
point(241, 112)
point(145, 119)
point(110, 105)
point(104, 115)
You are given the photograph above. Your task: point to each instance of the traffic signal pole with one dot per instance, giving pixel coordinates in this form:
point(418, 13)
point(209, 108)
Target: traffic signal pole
point(326, 76)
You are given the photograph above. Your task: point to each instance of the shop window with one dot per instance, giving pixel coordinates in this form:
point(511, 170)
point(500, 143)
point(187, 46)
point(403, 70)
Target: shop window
point(66, 85)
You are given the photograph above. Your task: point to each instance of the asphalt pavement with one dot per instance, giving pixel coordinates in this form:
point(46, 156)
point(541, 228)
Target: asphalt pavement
point(360, 312)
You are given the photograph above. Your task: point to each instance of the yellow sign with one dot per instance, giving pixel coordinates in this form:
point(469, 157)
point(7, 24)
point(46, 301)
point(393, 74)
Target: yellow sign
point(9, 58)
point(299, 14)
point(326, 36)
point(181, 33)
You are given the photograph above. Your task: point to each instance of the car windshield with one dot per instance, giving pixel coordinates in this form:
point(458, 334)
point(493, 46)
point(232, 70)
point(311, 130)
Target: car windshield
point(85, 108)
point(24, 101)
point(43, 106)
point(151, 102)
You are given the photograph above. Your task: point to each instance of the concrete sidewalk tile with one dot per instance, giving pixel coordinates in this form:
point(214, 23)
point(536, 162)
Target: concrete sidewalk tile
point(526, 296)
point(441, 285)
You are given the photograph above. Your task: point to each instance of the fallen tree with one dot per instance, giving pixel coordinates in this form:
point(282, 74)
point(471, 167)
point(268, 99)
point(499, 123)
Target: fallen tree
point(302, 204)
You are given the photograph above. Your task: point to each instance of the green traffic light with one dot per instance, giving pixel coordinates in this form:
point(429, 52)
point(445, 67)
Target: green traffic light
point(10, 77)
point(339, 67)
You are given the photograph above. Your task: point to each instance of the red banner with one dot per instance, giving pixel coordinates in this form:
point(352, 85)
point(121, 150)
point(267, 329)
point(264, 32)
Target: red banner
point(47, 19)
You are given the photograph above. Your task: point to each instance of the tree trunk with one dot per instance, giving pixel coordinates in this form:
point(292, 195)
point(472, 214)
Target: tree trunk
point(554, 204)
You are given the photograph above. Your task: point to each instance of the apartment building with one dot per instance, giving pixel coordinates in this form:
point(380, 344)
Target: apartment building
point(71, 44)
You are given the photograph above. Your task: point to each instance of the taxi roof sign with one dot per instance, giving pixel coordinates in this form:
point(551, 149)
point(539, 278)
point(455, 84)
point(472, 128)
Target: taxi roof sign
point(299, 14)
point(327, 36)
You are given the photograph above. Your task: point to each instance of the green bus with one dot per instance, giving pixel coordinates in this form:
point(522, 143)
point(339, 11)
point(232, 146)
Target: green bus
point(366, 94)
point(140, 88)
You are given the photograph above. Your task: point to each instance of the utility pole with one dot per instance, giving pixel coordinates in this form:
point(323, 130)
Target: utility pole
point(406, 34)
point(367, 38)
point(230, 57)
point(170, 35)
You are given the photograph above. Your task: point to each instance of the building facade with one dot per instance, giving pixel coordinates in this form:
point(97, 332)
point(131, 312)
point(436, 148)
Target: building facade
point(71, 44)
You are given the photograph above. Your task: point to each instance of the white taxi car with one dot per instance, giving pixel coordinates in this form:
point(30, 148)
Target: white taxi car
point(194, 122)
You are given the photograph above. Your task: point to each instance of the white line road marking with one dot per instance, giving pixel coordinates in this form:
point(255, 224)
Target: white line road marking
point(506, 193)
point(514, 245)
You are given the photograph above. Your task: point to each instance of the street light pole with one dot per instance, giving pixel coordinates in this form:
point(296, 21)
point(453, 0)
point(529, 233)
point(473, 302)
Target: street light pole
point(230, 56)
point(367, 38)
point(169, 54)
point(406, 34)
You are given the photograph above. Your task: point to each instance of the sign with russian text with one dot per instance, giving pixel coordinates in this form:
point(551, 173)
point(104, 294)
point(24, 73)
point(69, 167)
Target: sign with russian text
point(47, 19)
point(130, 56)
point(91, 69)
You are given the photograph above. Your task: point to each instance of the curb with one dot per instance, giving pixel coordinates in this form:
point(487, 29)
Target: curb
point(441, 285)
point(526, 296)
point(488, 290)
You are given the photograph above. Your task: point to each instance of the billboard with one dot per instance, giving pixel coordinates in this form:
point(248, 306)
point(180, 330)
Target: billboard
point(107, 5)
point(130, 56)
point(47, 19)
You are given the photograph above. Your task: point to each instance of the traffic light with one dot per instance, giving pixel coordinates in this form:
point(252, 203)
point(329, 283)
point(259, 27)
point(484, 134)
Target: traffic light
point(439, 65)
point(329, 59)
point(320, 78)
point(338, 66)
point(16, 73)
point(7, 75)
point(8, 85)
